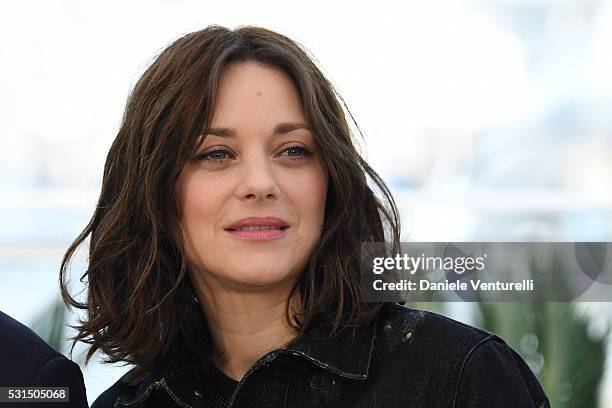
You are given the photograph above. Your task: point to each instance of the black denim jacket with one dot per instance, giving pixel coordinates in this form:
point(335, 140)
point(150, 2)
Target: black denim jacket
point(404, 358)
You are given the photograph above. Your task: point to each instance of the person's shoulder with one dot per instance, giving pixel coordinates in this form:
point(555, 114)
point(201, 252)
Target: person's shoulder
point(24, 354)
point(404, 324)
point(29, 361)
point(472, 363)
point(425, 333)
point(16, 337)
point(62, 372)
point(493, 372)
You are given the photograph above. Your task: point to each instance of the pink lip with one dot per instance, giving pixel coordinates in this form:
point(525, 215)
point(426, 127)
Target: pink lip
point(263, 235)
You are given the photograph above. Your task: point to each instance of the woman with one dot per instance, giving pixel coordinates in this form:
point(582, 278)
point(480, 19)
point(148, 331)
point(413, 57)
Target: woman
point(225, 249)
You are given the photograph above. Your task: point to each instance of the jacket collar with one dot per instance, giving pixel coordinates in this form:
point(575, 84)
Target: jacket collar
point(136, 391)
point(344, 354)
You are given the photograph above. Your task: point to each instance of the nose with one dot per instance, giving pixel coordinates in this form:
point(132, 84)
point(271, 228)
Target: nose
point(257, 179)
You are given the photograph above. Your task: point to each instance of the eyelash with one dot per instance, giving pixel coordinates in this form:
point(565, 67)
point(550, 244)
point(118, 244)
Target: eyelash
point(205, 156)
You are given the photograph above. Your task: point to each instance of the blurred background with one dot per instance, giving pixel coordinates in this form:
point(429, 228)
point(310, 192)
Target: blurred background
point(489, 119)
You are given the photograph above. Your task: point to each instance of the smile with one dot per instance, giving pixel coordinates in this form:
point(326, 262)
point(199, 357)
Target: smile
point(258, 232)
point(256, 228)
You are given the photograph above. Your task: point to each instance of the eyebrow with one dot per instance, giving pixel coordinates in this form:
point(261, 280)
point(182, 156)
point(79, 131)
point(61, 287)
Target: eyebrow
point(280, 129)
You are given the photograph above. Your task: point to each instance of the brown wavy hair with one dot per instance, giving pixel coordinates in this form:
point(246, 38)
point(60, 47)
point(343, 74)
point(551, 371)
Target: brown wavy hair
point(140, 306)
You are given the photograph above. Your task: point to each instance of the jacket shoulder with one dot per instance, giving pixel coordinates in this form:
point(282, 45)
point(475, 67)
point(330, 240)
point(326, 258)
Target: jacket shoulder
point(62, 372)
point(475, 367)
point(17, 337)
point(404, 324)
point(23, 353)
point(29, 361)
point(494, 373)
point(426, 341)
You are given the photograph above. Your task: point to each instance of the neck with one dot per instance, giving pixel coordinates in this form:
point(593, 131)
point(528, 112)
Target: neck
point(246, 325)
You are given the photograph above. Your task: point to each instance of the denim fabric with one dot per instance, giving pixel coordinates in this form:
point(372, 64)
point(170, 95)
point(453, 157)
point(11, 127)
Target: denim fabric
point(404, 358)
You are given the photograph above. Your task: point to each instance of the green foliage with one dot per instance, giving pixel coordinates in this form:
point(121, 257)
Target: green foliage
point(554, 340)
point(50, 323)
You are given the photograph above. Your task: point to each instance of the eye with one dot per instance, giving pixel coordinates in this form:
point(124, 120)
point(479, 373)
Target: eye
point(217, 156)
point(296, 152)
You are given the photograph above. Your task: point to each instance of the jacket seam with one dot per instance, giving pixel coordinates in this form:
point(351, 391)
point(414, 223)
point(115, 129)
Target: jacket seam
point(148, 384)
point(465, 326)
point(173, 396)
point(374, 331)
point(286, 393)
point(463, 364)
point(333, 369)
point(326, 366)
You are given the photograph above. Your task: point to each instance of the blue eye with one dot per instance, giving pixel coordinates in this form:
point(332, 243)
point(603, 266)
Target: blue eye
point(301, 151)
point(214, 156)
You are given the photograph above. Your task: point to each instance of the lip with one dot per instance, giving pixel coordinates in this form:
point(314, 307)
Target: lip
point(255, 221)
point(263, 235)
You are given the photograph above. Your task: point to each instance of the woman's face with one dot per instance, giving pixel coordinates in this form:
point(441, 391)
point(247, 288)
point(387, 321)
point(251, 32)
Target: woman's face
point(258, 160)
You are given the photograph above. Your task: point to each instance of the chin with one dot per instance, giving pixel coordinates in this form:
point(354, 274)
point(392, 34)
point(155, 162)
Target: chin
point(260, 277)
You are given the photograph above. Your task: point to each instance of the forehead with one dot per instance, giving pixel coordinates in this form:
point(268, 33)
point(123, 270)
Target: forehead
point(252, 92)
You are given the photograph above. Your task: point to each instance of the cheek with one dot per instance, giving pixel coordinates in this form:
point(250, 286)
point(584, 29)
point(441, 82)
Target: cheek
point(309, 195)
point(317, 197)
point(202, 202)
point(318, 189)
